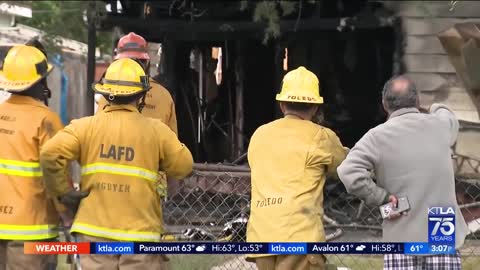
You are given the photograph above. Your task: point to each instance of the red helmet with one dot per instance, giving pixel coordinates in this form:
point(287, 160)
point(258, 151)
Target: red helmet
point(132, 46)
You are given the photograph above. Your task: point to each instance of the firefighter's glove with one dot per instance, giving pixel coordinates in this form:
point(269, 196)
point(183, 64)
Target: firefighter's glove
point(162, 189)
point(72, 199)
point(161, 186)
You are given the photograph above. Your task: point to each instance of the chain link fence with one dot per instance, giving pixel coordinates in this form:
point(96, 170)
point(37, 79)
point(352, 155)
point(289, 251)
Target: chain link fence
point(213, 205)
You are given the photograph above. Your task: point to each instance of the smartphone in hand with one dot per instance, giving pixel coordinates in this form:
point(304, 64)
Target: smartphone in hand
point(388, 209)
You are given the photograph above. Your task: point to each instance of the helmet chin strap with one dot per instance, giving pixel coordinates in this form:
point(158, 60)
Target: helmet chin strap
point(141, 104)
point(46, 95)
point(145, 64)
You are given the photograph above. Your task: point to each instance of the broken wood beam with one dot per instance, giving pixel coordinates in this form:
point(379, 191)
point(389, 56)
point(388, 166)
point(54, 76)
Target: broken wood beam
point(156, 29)
point(219, 168)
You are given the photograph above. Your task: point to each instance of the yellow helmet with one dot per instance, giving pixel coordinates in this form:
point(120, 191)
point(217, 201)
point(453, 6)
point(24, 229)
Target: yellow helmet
point(300, 85)
point(124, 77)
point(23, 67)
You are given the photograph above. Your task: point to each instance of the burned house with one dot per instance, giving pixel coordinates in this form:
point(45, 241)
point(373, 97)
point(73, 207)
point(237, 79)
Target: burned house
point(223, 62)
point(350, 46)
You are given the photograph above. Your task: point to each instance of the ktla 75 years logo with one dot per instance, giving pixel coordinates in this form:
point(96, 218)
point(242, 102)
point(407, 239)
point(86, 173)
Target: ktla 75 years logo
point(441, 224)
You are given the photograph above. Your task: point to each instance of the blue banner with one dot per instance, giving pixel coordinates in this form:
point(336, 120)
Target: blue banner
point(423, 248)
point(268, 248)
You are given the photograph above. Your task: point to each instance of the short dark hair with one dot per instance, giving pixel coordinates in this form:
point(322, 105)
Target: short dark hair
point(298, 106)
point(396, 99)
point(36, 91)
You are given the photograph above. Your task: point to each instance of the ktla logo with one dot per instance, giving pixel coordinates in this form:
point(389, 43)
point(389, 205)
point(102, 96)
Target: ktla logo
point(443, 221)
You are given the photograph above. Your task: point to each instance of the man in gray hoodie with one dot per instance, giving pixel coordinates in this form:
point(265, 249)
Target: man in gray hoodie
point(411, 156)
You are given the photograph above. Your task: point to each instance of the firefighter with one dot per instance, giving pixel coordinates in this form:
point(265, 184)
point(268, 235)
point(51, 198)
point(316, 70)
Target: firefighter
point(26, 123)
point(121, 152)
point(290, 159)
point(158, 102)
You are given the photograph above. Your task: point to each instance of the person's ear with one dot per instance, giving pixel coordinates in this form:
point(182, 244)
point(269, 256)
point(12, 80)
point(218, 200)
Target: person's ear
point(314, 110)
point(385, 108)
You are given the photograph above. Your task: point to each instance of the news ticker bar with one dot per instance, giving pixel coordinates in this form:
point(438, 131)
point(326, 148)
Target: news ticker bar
point(234, 248)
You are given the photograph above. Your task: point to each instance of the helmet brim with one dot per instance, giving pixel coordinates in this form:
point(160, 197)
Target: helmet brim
point(118, 90)
point(20, 86)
